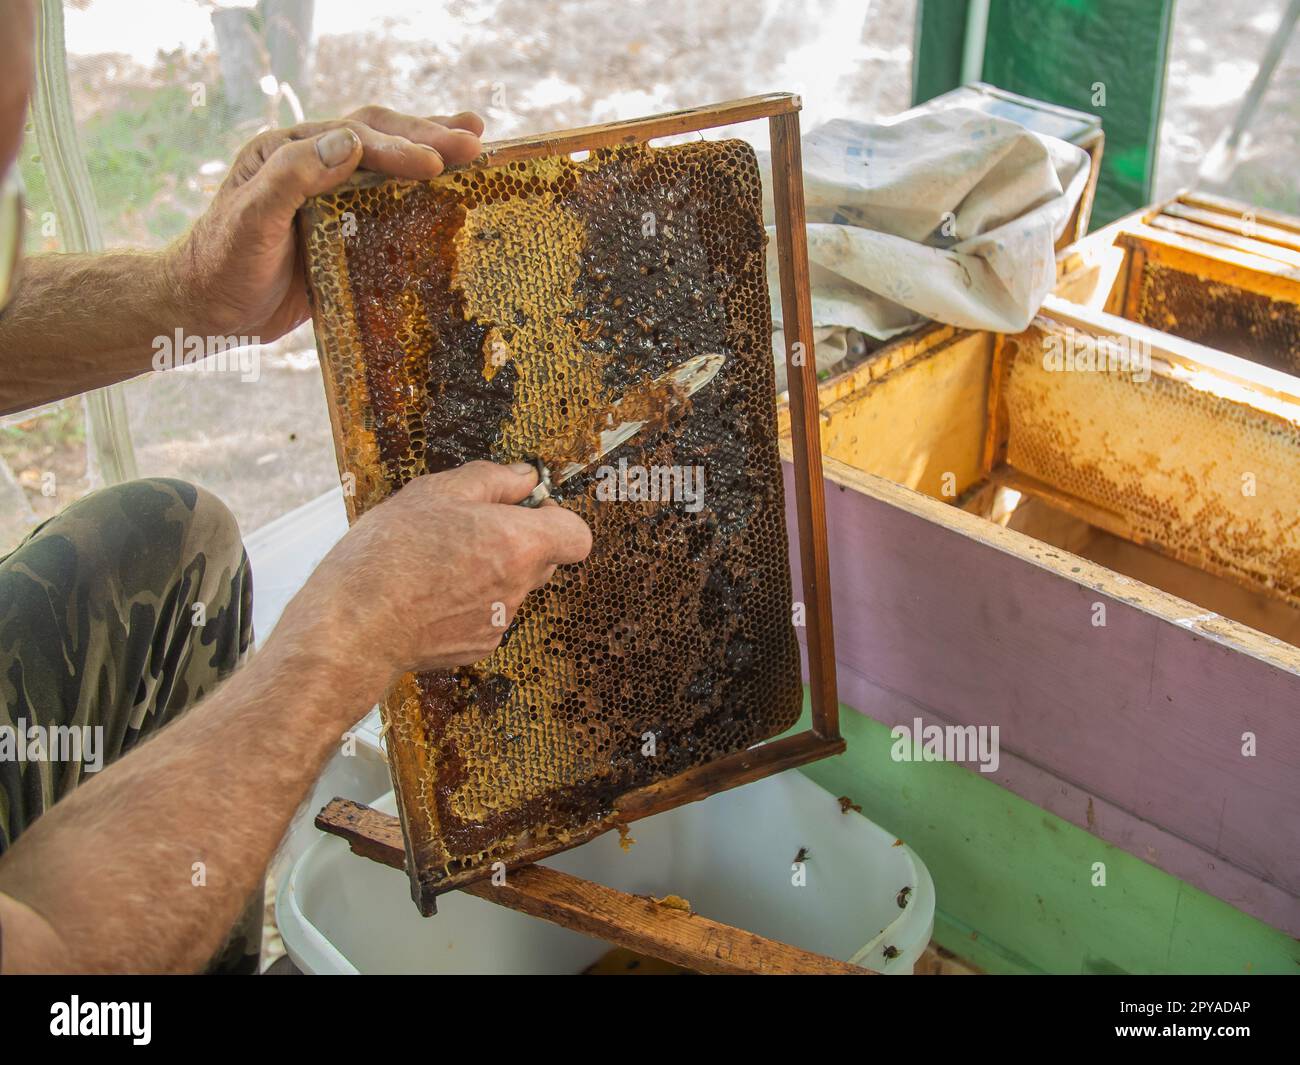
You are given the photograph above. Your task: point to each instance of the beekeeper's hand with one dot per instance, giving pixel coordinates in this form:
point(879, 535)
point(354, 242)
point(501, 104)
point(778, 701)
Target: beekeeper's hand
point(238, 270)
point(432, 577)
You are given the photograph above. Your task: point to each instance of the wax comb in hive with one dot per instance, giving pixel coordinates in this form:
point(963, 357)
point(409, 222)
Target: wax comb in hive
point(484, 315)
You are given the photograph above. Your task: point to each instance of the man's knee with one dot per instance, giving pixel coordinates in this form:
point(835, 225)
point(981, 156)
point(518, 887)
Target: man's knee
point(133, 535)
point(117, 614)
point(118, 578)
point(207, 530)
point(197, 560)
point(156, 527)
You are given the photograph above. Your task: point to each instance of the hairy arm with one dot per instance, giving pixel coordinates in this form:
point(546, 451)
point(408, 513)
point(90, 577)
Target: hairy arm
point(79, 322)
point(103, 881)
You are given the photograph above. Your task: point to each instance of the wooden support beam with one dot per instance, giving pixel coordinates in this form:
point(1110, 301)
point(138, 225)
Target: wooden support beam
point(633, 921)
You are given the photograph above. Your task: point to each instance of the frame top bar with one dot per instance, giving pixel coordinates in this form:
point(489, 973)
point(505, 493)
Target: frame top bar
point(636, 130)
point(625, 131)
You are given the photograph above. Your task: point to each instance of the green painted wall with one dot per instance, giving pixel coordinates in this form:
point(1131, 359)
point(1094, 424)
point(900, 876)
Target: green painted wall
point(1106, 57)
point(937, 47)
point(1013, 881)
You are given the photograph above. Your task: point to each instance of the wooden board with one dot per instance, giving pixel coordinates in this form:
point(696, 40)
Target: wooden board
point(656, 927)
point(1134, 729)
point(921, 424)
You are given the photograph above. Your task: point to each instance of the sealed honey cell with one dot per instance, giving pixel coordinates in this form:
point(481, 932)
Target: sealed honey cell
point(491, 314)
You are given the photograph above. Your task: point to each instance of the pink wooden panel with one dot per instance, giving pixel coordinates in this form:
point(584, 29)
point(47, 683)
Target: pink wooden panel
point(1142, 715)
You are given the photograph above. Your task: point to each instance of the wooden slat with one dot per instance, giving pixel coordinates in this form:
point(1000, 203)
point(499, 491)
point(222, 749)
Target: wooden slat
point(612, 134)
point(743, 767)
point(1223, 205)
point(1221, 237)
point(1218, 262)
point(796, 316)
point(631, 921)
point(638, 130)
point(1235, 224)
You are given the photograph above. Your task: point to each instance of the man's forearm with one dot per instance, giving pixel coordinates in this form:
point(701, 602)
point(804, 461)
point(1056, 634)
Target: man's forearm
point(106, 880)
point(79, 322)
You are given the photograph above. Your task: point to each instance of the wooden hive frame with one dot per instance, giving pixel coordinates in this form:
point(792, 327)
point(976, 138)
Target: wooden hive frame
point(594, 909)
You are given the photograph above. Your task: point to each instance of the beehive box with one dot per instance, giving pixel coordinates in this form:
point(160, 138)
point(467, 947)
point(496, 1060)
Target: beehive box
point(1213, 271)
point(1101, 557)
point(484, 315)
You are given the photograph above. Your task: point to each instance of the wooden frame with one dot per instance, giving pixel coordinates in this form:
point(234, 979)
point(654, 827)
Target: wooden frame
point(823, 739)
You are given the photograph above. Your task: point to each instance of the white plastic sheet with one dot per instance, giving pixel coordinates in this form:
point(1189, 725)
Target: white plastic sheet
point(951, 216)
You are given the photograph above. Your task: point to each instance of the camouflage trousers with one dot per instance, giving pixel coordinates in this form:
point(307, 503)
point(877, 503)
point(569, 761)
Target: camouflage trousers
point(116, 616)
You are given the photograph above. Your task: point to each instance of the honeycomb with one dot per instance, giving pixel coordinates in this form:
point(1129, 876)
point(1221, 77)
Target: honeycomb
point(486, 315)
point(1190, 467)
point(1220, 316)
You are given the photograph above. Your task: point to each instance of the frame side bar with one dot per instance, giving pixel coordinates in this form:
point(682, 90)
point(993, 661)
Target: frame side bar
point(805, 432)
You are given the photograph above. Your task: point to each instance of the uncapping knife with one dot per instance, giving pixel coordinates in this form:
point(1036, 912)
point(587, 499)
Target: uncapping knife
point(680, 384)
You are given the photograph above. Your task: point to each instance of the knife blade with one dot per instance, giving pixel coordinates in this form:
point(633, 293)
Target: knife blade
point(652, 404)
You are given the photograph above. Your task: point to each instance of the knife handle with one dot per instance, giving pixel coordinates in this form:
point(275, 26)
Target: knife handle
point(542, 492)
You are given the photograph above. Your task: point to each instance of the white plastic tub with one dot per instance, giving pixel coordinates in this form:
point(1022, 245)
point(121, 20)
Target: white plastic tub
point(729, 855)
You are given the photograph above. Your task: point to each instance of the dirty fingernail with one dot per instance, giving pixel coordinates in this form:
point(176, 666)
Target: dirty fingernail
point(337, 146)
point(522, 467)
